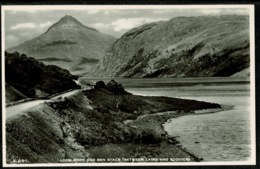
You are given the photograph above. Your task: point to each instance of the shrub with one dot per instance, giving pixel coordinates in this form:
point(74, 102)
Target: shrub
point(115, 88)
point(100, 85)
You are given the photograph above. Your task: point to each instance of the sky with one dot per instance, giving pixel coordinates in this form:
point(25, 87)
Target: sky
point(23, 25)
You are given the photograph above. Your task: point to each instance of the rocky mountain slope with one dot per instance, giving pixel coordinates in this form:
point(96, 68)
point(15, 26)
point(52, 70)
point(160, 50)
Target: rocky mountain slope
point(201, 46)
point(68, 44)
point(25, 77)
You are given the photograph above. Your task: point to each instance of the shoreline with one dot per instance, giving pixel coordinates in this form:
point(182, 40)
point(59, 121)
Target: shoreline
point(78, 131)
point(106, 121)
point(157, 121)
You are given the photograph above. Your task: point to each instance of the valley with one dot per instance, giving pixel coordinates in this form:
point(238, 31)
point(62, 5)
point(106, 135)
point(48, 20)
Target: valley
point(75, 93)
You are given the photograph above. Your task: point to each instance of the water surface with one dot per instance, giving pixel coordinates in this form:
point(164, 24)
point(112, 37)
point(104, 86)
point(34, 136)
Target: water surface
point(222, 136)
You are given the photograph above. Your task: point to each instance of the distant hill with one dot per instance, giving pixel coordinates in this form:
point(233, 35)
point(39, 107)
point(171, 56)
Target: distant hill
point(68, 44)
point(28, 78)
point(201, 46)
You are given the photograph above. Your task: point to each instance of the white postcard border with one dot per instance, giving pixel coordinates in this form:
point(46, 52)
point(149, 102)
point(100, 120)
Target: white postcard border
point(32, 8)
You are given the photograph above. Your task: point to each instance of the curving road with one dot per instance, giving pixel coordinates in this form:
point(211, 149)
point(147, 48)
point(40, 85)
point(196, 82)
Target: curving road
point(19, 108)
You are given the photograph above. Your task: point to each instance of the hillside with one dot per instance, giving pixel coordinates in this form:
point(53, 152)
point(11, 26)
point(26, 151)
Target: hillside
point(91, 124)
point(28, 78)
point(12, 94)
point(201, 46)
point(68, 44)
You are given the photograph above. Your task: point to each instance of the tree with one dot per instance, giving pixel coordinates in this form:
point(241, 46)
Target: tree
point(117, 90)
point(100, 85)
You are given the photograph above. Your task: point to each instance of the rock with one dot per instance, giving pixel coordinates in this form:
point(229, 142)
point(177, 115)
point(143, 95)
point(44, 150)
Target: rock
point(173, 141)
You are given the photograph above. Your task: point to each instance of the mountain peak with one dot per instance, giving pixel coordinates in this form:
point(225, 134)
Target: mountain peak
point(69, 21)
point(68, 18)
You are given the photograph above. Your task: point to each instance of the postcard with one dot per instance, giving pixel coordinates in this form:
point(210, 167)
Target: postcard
point(128, 85)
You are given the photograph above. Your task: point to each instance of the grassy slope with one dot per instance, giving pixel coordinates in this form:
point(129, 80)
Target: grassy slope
point(78, 125)
point(132, 105)
point(201, 46)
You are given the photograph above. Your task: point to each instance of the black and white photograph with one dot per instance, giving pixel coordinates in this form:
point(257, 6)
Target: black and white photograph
point(128, 85)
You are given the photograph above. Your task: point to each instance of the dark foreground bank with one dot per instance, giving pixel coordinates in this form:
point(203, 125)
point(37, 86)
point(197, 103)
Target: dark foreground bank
point(99, 123)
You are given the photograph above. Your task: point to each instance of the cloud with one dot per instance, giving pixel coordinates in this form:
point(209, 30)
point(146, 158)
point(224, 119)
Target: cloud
point(46, 24)
point(121, 24)
point(101, 25)
point(24, 34)
point(119, 12)
point(125, 24)
point(241, 11)
point(203, 11)
point(210, 11)
point(30, 25)
point(11, 38)
point(224, 11)
point(92, 11)
point(165, 11)
point(23, 26)
point(23, 11)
